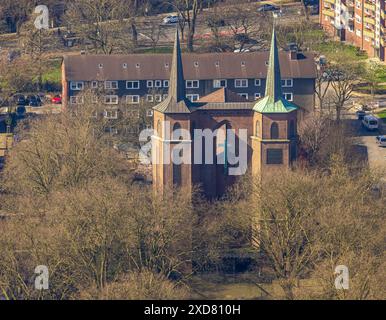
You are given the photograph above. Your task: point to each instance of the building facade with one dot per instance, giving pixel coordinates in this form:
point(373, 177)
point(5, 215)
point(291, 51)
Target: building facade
point(359, 22)
point(270, 124)
point(129, 80)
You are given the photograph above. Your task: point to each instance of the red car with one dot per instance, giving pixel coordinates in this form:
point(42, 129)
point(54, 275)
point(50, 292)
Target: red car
point(56, 100)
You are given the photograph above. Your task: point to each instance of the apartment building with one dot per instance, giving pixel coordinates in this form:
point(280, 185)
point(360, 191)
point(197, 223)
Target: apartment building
point(360, 22)
point(128, 80)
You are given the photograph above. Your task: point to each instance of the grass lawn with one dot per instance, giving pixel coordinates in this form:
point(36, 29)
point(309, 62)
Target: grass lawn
point(382, 115)
point(53, 72)
point(333, 48)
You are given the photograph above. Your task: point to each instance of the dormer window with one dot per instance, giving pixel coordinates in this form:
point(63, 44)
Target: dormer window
point(138, 65)
point(266, 63)
point(217, 64)
point(166, 65)
point(124, 66)
point(196, 64)
point(243, 63)
point(100, 66)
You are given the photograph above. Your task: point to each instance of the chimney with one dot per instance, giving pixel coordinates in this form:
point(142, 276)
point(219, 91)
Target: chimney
point(293, 54)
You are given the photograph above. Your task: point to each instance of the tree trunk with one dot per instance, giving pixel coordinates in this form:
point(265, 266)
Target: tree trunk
point(134, 34)
point(190, 41)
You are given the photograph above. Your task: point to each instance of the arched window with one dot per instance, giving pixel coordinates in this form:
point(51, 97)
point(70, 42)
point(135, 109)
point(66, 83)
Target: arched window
point(291, 129)
point(159, 128)
point(274, 131)
point(176, 134)
point(257, 129)
point(177, 172)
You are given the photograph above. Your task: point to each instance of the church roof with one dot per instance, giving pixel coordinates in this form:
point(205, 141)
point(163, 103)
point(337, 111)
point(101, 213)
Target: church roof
point(176, 101)
point(223, 95)
point(273, 101)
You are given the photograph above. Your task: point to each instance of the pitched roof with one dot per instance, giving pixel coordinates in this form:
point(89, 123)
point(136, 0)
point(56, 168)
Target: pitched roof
point(204, 66)
point(274, 102)
point(223, 95)
point(176, 101)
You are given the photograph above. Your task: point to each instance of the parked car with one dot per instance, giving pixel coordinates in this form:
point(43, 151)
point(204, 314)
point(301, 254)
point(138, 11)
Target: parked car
point(34, 101)
point(381, 140)
point(170, 20)
point(268, 7)
point(360, 114)
point(20, 100)
point(370, 122)
point(56, 100)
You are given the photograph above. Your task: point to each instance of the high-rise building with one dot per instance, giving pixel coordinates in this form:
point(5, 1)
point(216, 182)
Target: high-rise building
point(360, 22)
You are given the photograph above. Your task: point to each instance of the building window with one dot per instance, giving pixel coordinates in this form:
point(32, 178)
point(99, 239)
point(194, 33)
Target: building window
point(166, 83)
point(76, 85)
point(132, 84)
point(158, 83)
point(76, 99)
point(288, 96)
point(287, 83)
point(257, 129)
point(192, 84)
point(241, 83)
point(358, 33)
point(193, 97)
point(111, 84)
point(132, 99)
point(149, 98)
point(94, 99)
point(94, 84)
point(158, 98)
point(274, 131)
point(149, 113)
point(111, 99)
point(111, 114)
point(257, 95)
point(219, 83)
point(149, 83)
point(358, 18)
point(124, 65)
point(257, 82)
point(176, 134)
point(274, 156)
point(245, 95)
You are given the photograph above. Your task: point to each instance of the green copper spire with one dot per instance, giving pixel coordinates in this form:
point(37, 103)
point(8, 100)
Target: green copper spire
point(273, 84)
point(273, 101)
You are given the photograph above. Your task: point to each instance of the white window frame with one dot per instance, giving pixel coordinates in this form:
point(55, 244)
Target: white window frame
point(166, 83)
point(217, 83)
point(149, 113)
point(76, 99)
point(150, 83)
point(287, 83)
point(76, 85)
point(111, 97)
point(158, 83)
point(257, 95)
point(113, 115)
point(243, 94)
point(257, 82)
point(94, 84)
point(132, 83)
point(241, 83)
point(193, 97)
point(192, 84)
point(158, 97)
point(130, 99)
point(149, 98)
point(111, 85)
point(291, 96)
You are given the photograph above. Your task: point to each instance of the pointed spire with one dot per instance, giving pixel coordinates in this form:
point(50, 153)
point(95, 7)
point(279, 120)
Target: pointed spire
point(177, 81)
point(176, 102)
point(273, 85)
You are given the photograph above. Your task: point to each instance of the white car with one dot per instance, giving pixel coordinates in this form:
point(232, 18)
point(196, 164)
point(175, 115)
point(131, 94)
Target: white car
point(370, 122)
point(381, 140)
point(170, 20)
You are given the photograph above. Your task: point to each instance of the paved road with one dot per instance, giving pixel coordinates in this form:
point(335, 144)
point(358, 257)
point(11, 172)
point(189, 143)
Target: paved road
point(375, 155)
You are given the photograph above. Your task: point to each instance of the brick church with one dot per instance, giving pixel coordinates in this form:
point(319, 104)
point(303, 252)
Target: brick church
point(270, 123)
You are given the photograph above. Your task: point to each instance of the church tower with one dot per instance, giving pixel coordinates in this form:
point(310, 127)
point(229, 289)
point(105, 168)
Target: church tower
point(170, 116)
point(273, 140)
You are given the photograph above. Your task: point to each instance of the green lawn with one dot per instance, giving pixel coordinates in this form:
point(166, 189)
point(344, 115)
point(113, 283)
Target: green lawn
point(333, 48)
point(53, 72)
point(382, 115)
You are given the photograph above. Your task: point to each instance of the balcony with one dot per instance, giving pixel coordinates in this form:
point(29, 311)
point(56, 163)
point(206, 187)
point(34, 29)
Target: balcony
point(369, 20)
point(369, 5)
point(329, 12)
point(369, 34)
